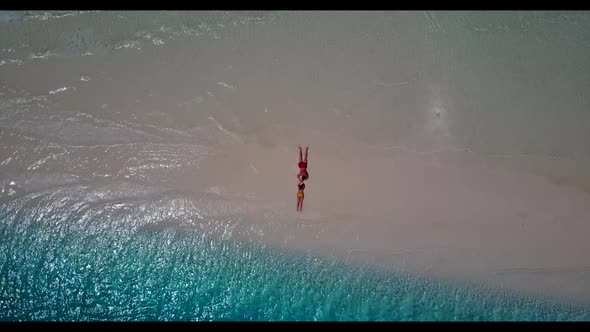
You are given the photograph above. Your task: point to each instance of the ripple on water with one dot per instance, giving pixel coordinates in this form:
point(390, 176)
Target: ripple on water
point(66, 259)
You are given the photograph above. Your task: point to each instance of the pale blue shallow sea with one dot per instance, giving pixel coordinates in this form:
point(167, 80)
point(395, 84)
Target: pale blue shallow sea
point(94, 270)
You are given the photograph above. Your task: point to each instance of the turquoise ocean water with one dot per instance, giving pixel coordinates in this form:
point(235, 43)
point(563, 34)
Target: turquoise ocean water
point(77, 269)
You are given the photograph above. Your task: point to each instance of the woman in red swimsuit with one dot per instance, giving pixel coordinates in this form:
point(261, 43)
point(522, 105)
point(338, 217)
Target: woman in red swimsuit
point(303, 174)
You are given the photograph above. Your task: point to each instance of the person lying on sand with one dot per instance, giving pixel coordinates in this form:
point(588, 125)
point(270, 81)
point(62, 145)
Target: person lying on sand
point(300, 195)
point(303, 174)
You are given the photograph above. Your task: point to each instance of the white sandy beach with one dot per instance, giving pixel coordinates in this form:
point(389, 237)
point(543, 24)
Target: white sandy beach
point(449, 215)
point(432, 149)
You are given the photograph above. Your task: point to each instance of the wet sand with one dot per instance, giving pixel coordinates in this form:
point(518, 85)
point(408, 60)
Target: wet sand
point(450, 215)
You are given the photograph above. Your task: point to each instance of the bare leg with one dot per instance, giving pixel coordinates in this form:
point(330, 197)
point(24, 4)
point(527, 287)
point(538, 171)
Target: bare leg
point(306, 148)
point(300, 154)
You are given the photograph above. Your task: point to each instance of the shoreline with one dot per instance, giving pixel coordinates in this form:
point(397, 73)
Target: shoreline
point(454, 219)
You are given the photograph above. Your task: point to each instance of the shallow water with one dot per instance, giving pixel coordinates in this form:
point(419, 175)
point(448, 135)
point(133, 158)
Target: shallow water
point(97, 263)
